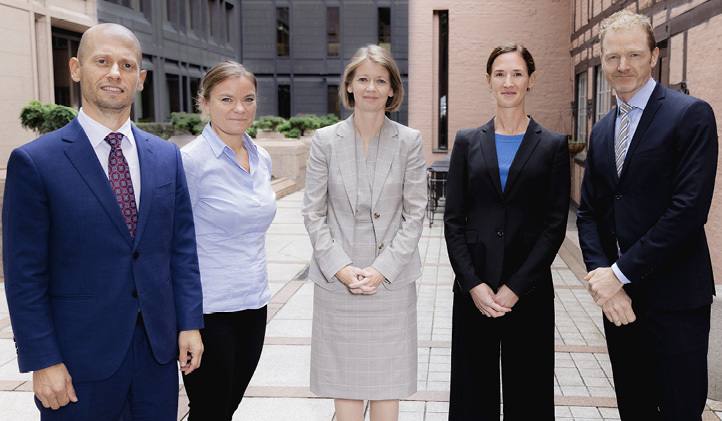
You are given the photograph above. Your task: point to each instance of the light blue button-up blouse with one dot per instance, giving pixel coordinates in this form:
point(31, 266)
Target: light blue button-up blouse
point(232, 209)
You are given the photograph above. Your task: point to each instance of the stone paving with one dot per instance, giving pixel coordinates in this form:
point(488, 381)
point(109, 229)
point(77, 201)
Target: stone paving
point(280, 388)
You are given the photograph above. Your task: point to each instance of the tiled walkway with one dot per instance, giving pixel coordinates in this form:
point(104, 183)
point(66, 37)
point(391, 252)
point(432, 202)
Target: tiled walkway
point(280, 388)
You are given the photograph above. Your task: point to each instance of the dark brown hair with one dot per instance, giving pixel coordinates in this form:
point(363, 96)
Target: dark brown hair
point(511, 47)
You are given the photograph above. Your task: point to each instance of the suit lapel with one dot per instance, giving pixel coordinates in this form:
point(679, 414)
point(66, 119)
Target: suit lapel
point(607, 142)
point(655, 101)
point(83, 158)
point(388, 147)
point(488, 149)
point(148, 168)
point(528, 144)
point(346, 158)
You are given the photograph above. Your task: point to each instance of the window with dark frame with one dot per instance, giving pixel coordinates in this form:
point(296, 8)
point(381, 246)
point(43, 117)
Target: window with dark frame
point(385, 27)
point(443, 123)
point(283, 38)
point(146, 105)
point(230, 16)
point(603, 101)
point(333, 24)
point(333, 100)
point(284, 101)
point(581, 135)
point(65, 45)
point(173, 92)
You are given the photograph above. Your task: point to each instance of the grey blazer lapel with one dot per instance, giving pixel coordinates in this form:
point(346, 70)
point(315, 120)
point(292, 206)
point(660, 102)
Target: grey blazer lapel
point(345, 148)
point(388, 145)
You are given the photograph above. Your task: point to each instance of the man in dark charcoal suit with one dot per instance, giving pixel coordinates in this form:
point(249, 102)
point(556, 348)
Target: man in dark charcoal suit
point(646, 193)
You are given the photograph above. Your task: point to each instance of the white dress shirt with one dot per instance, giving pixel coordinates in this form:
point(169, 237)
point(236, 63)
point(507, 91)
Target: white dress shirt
point(97, 132)
point(638, 102)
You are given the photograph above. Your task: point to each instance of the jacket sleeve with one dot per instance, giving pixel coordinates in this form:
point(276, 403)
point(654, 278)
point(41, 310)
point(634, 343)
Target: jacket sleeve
point(328, 252)
point(588, 215)
point(556, 212)
point(457, 204)
point(692, 189)
point(393, 259)
point(26, 248)
point(185, 273)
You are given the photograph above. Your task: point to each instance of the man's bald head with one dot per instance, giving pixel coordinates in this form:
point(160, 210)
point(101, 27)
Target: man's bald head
point(106, 30)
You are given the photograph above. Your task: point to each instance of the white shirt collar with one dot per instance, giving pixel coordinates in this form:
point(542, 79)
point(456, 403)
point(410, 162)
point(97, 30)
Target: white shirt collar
point(641, 98)
point(97, 132)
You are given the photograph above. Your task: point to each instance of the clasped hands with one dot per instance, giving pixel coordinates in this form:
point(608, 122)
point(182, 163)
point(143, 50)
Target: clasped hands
point(607, 292)
point(491, 304)
point(360, 281)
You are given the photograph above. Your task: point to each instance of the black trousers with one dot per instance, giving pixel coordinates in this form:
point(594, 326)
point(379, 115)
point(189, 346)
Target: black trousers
point(525, 338)
point(232, 347)
point(659, 363)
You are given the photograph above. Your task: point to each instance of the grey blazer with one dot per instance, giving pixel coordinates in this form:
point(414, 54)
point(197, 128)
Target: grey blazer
point(398, 202)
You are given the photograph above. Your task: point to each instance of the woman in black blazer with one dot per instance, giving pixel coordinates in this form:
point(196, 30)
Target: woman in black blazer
point(506, 212)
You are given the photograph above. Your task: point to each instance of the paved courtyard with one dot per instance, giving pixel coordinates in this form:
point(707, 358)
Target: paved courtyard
point(280, 391)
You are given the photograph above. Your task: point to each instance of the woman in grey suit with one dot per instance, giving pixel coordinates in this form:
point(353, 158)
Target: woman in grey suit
point(363, 210)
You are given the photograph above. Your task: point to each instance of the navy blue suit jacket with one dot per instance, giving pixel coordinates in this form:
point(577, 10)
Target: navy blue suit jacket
point(657, 208)
point(510, 237)
point(74, 277)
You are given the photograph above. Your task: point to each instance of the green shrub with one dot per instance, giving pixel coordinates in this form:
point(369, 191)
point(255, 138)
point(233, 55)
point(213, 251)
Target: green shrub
point(162, 130)
point(252, 131)
point(187, 122)
point(44, 118)
point(293, 133)
point(269, 122)
point(328, 120)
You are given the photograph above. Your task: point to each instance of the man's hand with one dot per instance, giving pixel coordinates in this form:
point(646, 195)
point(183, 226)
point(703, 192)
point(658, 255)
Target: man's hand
point(356, 280)
point(506, 297)
point(191, 350)
point(602, 284)
point(483, 297)
point(53, 386)
point(619, 309)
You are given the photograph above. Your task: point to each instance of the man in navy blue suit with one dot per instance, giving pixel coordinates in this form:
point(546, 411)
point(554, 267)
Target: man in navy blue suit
point(646, 193)
point(101, 271)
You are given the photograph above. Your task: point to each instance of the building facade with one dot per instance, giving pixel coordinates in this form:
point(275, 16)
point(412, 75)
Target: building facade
point(298, 49)
point(181, 40)
point(38, 40)
point(449, 43)
point(689, 38)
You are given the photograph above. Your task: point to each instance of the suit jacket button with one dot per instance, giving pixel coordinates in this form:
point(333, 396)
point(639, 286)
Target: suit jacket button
point(381, 246)
point(134, 294)
point(376, 215)
point(135, 255)
point(500, 233)
point(618, 196)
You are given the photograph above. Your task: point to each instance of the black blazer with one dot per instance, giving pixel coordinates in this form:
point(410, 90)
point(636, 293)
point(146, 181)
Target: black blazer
point(658, 207)
point(508, 237)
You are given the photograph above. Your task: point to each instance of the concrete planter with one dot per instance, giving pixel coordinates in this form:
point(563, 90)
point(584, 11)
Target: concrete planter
point(289, 157)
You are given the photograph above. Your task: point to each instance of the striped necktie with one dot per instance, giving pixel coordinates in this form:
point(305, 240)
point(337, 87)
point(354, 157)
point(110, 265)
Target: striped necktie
point(622, 141)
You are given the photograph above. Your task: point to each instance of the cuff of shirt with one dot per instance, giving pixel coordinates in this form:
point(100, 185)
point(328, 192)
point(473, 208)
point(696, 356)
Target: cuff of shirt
point(623, 279)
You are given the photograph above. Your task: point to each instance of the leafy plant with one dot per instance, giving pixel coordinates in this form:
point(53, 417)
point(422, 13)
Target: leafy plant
point(269, 122)
point(44, 117)
point(328, 120)
point(187, 122)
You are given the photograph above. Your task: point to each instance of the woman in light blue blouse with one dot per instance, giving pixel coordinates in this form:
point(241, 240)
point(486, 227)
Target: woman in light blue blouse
point(229, 180)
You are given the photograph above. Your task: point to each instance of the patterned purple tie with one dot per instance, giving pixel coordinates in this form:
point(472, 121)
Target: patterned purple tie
point(119, 176)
